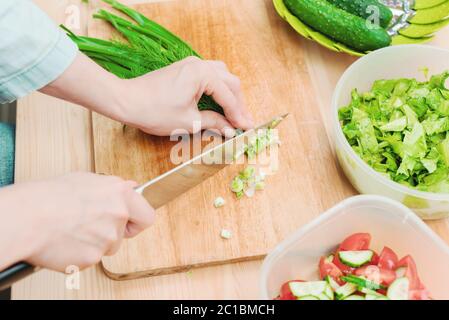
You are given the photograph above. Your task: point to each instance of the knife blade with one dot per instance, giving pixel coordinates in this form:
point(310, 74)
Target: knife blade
point(179, 180)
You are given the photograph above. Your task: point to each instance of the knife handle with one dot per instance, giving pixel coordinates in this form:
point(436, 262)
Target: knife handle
point(15, 273)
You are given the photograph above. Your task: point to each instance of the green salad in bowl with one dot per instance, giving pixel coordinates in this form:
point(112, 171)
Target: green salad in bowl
point(390, 114)
point(400, 127)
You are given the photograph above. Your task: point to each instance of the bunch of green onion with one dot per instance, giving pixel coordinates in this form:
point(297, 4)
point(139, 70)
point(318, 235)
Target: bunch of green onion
point(148, 47)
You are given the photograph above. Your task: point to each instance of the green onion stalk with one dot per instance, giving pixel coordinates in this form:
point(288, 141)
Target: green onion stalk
point(148, 47)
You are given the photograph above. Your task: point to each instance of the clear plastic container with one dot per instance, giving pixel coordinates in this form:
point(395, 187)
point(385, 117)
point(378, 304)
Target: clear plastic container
point(388, 63)
point(389, 223)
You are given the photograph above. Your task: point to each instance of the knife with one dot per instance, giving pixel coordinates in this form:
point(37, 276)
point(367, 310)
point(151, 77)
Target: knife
point(171, 184)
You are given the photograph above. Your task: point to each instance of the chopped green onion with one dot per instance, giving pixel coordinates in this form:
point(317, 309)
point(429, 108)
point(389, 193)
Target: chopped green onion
point(248, 173)
point(219, 202)
point(148, 47)
point(226, 234)
point(237, 185)
point(260, 185)
point(248, 182)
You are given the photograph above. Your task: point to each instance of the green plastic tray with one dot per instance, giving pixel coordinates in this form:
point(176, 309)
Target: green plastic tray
point(431, 16)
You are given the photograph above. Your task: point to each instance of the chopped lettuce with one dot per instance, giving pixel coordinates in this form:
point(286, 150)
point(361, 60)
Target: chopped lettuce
point(401, 128)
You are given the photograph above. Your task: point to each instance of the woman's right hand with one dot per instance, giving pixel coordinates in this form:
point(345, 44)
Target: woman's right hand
point(72, 220)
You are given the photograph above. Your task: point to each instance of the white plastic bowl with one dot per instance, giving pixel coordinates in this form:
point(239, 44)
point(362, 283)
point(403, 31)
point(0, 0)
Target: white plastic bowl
point(389, 63)
point(389, 223)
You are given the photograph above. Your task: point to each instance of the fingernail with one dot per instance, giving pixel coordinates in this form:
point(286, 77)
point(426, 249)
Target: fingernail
point(228, 132)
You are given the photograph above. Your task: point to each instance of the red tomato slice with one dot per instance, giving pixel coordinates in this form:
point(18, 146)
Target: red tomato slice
point(388, 259)
point(382, 291)
point(357, 241)
point(329, 269)
point(387, 276)
point(375, 259)
point(376, 274)
point(411, 272)
point(286, 293)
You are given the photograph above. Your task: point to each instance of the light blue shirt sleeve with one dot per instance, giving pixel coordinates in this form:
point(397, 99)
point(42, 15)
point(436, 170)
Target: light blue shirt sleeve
point(33, 50)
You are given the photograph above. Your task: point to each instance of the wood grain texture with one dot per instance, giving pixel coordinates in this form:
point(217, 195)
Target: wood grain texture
point(272, 66)
point(232, 281)
point(53, 137)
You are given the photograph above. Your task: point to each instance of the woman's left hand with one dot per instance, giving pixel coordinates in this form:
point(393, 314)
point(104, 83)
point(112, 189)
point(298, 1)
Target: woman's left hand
point(161, 101)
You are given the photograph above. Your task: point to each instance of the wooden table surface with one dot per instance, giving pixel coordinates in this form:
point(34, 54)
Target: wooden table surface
point(55, 137)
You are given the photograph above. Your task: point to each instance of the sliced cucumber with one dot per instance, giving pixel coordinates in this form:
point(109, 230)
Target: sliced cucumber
point(355, 258)
point(311, 288)
point(329, 292)
point(329, 258)
point(370, 292)
point(354, 297)
point(308, 298)
point(371, 297)
point(332, 283)
point(399, 289)
point(375, 297)
point(345, 291)
point(362, 282)
point(400, 272)
point(323, 296)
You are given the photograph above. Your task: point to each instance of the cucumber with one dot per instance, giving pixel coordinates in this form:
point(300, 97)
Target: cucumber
point(332, 283)
point(323, 296)
point(362, 282)
point(329, 292)
point(338, 24)
point(372, 295)
point(354, 297)
point(369, 291)
point(308, 298)
point(311, 288)
point(398, 290)
point(375, 297)
point(345, 291)
point(355, 258)
point(362, 8)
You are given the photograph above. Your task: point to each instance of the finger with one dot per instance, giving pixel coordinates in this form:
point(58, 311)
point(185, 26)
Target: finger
point(220, 83)
point(234, 84)
point(116, 245)
point(185, 61)
point(219, 65)
point(141, 214)
point(213, 120)
point(223, 95)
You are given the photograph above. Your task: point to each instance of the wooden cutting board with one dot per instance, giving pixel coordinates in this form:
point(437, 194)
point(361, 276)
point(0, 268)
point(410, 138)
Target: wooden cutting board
point(271, 61)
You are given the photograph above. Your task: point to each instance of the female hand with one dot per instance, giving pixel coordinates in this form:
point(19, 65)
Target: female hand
point(72, 220)
point(158, 102)
point(167, 99)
